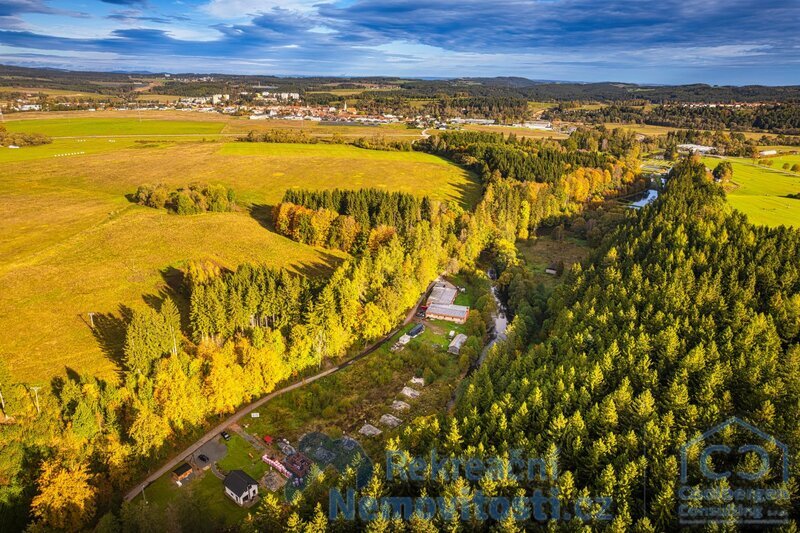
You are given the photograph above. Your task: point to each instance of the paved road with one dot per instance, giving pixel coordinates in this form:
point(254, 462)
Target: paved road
point(213, 433)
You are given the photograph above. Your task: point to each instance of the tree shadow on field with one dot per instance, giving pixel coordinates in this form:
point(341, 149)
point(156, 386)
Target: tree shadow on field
point(262, 214)
point(109, 331)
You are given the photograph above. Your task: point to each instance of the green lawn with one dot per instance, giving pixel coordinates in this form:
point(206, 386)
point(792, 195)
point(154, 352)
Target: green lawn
point(239, 458)
point(64, 127)
point(760, 192)
point(204, 487)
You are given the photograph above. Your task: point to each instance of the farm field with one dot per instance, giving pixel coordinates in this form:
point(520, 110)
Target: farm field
point(211, 125)
point(760, 192)
point(73, 243)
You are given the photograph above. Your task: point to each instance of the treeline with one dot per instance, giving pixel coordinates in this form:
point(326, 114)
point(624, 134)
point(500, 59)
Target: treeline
point(529, 183)
point(524, 159)
point(777, 118)
point(685, 316)
point(352, 221)
point(8, 138)
point(376, 142)
point(190, 200)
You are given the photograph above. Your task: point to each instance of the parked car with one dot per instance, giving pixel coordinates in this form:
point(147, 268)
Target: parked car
point(202, 458)
point(225, 435)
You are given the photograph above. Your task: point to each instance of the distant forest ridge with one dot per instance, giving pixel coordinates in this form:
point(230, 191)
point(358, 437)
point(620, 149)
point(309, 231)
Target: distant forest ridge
point(121, 83)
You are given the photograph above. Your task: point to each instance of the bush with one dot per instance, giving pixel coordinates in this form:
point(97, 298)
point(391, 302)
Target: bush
point(191, 200)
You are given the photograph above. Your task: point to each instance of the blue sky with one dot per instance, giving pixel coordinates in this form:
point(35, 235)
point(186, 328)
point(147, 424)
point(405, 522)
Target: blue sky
point(668, 41)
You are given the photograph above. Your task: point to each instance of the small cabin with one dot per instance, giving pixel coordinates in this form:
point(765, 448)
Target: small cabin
point(181, 473)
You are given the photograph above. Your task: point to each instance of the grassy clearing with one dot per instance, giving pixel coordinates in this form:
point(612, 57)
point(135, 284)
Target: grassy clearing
point(341, 403)
point(760, 192)
point(73, 244)
point(219, 511)
point(542, 252)
point(243, 456)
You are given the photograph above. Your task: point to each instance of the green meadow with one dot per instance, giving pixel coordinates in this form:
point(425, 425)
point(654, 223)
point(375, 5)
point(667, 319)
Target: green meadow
point(761, 192)
point(67, 127)
point(74, 244)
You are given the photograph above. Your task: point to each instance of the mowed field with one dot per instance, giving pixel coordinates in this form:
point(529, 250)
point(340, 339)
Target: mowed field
point(761, 192)
point(187, 123)
point(72, 243)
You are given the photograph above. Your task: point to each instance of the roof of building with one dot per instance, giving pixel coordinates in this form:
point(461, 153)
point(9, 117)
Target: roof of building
point(182, 469)
point(298, 464)
point(458, 341)
point(442, 293)
point(455, 311)
point(238, 482)
point(416, 330)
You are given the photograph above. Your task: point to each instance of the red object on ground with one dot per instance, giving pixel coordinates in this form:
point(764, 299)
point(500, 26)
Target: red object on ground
point(267, 439)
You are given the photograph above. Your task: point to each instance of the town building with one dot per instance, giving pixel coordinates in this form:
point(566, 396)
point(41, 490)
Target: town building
point(240, 487)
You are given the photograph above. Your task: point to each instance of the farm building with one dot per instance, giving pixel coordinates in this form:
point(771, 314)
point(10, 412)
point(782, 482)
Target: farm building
point(442, 293)
point(451, 313)
point(181, 473)
point(768, 152)
point(240, 487)
point(457, 343)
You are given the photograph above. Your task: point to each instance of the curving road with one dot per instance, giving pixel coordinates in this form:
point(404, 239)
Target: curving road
point(238, 415)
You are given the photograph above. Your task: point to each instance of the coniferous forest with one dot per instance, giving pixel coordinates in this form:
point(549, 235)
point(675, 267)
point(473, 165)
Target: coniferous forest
point(684, 315)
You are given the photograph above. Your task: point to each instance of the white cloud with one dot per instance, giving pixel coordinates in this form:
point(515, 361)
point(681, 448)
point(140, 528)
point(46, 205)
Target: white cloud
point(239, 9)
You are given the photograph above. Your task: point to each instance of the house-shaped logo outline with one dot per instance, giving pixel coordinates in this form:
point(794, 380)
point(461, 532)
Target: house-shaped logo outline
point(749, 427)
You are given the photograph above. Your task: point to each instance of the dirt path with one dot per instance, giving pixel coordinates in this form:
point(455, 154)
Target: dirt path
point(241, 413)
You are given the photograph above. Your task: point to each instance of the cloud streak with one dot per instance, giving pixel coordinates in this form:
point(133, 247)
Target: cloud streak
point(737, 41)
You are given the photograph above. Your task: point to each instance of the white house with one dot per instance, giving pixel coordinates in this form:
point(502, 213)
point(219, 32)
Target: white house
point(768, 152)
point(240, 487)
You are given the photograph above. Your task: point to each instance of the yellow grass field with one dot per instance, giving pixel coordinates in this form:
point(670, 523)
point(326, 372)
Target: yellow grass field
point(73, 244)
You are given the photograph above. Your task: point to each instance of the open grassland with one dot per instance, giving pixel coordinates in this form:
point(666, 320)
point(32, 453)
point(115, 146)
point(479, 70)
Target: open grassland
point(73, 243)
point(761, 192)
point(189, 123)
point(88, 127)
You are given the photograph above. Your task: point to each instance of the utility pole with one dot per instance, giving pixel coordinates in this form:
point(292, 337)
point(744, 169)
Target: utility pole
point(36, 392)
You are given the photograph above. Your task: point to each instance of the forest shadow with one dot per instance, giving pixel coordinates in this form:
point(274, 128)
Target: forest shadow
point(109, 331)
point(262, 213)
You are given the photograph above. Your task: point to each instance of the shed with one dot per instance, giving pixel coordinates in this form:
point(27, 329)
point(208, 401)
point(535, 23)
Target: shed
point(182, 472)
point(551, 269)
point(416, 330)
point(240, 487)
point(458, 342)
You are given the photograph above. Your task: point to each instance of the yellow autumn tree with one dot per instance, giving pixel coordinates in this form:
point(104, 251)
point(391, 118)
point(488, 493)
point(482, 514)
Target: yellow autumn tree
point(66, 499)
